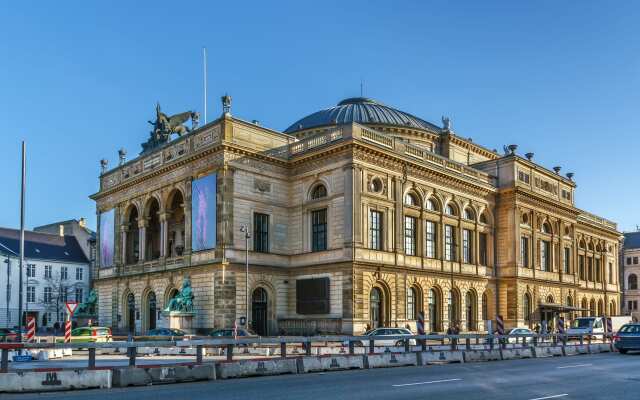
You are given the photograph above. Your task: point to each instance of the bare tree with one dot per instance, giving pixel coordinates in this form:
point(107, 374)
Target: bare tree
point(62, 290)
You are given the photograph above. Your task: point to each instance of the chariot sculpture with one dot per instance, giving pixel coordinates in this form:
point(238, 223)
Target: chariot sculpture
point(164, 126)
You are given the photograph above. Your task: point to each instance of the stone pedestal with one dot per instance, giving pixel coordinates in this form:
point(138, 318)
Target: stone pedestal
point(181, 320)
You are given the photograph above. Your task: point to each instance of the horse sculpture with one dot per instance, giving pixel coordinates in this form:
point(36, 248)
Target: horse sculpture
point(183, 301)
point(164, 126)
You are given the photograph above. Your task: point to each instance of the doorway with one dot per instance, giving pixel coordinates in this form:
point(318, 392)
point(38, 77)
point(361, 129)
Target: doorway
point(259, 310)
point(375, 302)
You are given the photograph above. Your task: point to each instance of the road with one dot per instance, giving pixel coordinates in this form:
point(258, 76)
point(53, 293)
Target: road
point(598, 376)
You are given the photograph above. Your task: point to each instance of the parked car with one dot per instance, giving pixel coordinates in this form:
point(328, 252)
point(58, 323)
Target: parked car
point(521, 331)
point(392, 341)
point(91, 334)
point(228, 333)
point(8, 335)
point(591, 326)
point(166, 334)
point(627, 338)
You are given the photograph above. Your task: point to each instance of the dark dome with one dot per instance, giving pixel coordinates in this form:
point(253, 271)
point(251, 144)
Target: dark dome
point(361, 110)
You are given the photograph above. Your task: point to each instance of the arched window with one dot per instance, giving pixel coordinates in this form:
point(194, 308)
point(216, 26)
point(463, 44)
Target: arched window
point(431, 205)
point(526, 308)
point(468, 214)
point(633, 282)
point(450, 210)
point(550, 299)
point(585, 307)
point(454, 307)
point(376, 304)
point(412, 303)
point(592, 308)
point(318, 192)
point(600, 308)
point(483, 218)
point(546, 228)
point(471, 310)
point(612, 308)
point(570, 304)
point(434, 311)
point(485, 307)
point(410, 199)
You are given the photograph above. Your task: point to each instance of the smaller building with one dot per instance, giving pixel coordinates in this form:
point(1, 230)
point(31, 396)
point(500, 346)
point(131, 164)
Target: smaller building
point(631, 271)
point(55, 270)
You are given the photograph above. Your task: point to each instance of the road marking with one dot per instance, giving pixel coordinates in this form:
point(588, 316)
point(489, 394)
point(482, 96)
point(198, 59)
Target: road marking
point(575, 366)
point(427, 383)
point(551, 397)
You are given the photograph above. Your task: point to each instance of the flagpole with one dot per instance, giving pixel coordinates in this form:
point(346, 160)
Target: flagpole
point(204, 55)
point(20, 268)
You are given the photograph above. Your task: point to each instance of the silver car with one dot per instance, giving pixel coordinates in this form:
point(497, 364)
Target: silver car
point(392, 341)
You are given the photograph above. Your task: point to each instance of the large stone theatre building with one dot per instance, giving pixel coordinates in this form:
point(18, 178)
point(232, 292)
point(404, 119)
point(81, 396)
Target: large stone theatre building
point(359, 215)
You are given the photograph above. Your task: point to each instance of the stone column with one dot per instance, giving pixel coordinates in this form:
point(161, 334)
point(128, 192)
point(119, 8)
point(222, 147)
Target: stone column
point(142, 238)
point(124, 228)
point(187, 217)
point(164, 234)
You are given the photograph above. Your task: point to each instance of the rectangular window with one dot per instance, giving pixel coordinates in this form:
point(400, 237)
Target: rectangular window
point(628, 260)
point(79, 272)
point(312, 296)
point(319, 230)
point(482, 248)
point(31, 270)
point(635, 260)
point(31, 294)
point(610, 273)
point(467, 246)
point(598, 273)
point(581, 266)
point(545, 255)
point(449, 243)
point(410, 236)
point(523, 176)
point(524, 251)
point(64, 273)
point(79, 295)
point(567, 260)
point(375, 230)
point(47, 295)
point(431, 235)
point(64, 296)
point(261, 233)
point(47, 271)
point(590, 268)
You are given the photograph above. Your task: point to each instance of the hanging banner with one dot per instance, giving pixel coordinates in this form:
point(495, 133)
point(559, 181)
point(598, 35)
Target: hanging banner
point(107, 238)
point(203, 213)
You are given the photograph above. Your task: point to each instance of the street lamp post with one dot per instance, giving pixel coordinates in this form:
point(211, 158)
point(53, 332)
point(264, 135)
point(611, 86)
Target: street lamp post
point(245, 229)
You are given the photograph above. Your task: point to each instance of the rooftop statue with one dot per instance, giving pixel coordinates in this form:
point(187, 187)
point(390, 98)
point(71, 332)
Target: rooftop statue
point(183, 301)
point(164, 126)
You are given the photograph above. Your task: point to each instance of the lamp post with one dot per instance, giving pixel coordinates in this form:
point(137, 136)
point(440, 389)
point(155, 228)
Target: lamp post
point(245, 229)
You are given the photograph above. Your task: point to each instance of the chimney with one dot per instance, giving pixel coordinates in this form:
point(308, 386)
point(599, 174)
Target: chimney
point(82, 222)
point(61, 230)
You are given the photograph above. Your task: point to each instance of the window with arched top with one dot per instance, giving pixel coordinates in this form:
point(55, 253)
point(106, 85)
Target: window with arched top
point(550, 299)
point(432, 205)
point(590, 246)
point(582, 244)
point(318, 192)
point(450, 210)
point(468, 214)
point(410, 199)
point(483, 218)
point(412, 303)
point(546, 228)
point(526, 308)
point(633, 282)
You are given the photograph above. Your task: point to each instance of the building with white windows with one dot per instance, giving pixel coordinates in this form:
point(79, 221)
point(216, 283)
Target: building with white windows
point(56, 270)
point(630, 273)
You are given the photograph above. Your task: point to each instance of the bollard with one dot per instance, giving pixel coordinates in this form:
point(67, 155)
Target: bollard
point(283, 349)
point(308, 348)
point(199, 354)
point(131, 352)
point(372, 347)
point(229, 352)
point(92, 357)
point(352, 349)
point(4, 361)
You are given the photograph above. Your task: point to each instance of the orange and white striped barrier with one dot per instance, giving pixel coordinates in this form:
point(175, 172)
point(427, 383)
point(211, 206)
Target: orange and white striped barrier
point(31, 329)
point(67, 332)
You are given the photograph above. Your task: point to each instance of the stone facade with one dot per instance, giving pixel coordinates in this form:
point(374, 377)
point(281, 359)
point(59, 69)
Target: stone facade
point(630, 262)
point(417, 219)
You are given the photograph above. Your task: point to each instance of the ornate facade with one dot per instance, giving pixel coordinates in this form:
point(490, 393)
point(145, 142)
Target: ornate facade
point(359, 215)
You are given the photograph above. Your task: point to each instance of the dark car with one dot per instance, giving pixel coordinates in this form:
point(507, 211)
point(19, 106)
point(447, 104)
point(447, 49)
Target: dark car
point(228, 333)
point(8, 335)
point(165, 333)
point(627, 338)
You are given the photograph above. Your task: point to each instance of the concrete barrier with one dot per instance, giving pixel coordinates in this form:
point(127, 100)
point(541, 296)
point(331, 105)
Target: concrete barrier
point(383, 360)
point(599, 348)
point(547, 351)
point(517, 353)
point(439, 357)
point(482, 355)
point(573, 350)
point(32, 381)
point(243, 368)
point(140, 376)
point(330, 363)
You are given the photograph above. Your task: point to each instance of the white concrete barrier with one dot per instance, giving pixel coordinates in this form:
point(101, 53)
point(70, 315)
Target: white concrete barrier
point(547, 351)
point(30, 381)
point(330, 363)
point(438, 357)
point(243, 368)
point(517, 353)
point(141, 376)
point(573, 350)
point(382, 360)
point(482, 355)
point(599, 348)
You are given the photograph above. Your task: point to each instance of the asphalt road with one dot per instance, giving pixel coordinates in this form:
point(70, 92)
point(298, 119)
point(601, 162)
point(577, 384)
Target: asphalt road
point(600, 376)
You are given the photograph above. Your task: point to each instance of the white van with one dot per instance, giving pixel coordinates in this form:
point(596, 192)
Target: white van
point(595, 325)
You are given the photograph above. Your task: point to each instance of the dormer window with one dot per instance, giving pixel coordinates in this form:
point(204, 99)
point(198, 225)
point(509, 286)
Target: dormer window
point(318, 192)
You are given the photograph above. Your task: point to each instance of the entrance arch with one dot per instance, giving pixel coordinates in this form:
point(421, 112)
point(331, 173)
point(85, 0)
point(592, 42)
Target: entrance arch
point(376, 308)
point(471, 310)
point(434, 310)
point(150, 311)
point(259, 311)
point(130, 313)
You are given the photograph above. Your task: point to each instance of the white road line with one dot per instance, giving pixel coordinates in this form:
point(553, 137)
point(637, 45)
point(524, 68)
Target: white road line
point(551, 397)
point(574, 366)
point(428, 383)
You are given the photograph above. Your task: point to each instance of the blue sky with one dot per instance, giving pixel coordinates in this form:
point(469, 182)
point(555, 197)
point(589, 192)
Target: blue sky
point(78, 81)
